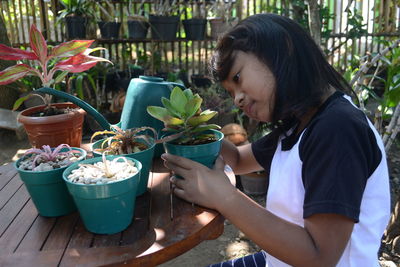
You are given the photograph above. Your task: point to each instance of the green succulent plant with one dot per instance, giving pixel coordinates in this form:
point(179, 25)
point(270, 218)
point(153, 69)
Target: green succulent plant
point(183, 116)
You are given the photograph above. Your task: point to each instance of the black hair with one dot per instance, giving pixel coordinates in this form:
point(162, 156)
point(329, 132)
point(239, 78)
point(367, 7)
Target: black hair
point(302, 73)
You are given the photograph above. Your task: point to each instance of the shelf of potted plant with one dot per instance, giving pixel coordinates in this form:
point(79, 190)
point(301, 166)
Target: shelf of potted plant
point(57, 123)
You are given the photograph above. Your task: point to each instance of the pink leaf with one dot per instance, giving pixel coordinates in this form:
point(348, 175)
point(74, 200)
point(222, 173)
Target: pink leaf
point(8, 53)
point(38, 44)
point(79, 63)
point(13, 73)
point(71, 48)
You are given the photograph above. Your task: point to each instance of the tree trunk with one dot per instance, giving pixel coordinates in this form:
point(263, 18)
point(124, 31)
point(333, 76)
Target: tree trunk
point(8, 93)
point(314, 21)
point(392, 234)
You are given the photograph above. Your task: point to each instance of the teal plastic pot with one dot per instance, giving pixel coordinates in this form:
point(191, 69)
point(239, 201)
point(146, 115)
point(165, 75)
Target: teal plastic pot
point(205, 154)
point(145, 157)
point(105, 208)
point(48, 190)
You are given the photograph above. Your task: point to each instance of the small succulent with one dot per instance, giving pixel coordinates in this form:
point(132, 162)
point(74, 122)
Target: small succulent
point(44, 159)
point(125, 141)
point(183, 116)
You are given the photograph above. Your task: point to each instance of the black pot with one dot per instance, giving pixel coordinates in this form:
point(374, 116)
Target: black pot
point(164, 27)
point(195, 29)
point(109, 30)
point(199, 80)
point(137, 29)
point(76, 27)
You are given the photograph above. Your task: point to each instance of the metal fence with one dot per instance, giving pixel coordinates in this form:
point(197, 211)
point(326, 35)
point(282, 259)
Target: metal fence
point(350, 28)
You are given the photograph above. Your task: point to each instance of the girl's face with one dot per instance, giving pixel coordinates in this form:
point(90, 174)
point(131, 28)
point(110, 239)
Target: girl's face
point(252, 85)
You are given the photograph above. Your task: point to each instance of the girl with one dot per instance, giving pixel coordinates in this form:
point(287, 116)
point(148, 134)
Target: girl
point(328, 199)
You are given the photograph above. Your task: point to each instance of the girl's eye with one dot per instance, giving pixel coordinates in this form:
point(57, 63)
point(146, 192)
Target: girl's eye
point(236, 77)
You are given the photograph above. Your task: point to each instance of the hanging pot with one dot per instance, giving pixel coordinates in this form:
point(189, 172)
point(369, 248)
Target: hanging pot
point(76, 27)
point(138, 29)
point(164, 27)
point(109, 30)
point(195, 29)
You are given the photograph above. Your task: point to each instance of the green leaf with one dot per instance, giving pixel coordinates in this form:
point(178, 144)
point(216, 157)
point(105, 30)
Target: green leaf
point(188, 93)
point(60, 77)
point(19, 102)
point(202, 128)
point(79, 86)
point(167, 104)
point(202, 118)
point(162, 114)
point(192, 106)
point(178, 99)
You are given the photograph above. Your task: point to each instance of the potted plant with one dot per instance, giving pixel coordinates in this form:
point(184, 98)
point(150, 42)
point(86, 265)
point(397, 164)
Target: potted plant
point(217, 98)
point(104, 191)
point(108, 24)
point(76, 15)
point(220, 17)
point(41, 171)
point(163, 20)
point(132, 143)
point(138, 24)
point(195, 27)
point(50, 124)
point(188, 134)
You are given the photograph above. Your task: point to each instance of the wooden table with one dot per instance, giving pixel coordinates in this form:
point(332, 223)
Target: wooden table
point(28, 239)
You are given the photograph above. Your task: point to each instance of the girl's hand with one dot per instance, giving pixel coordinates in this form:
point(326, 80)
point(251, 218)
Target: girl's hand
point(201, 185)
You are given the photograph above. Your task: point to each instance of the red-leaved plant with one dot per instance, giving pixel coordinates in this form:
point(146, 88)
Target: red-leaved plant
point(72, 56)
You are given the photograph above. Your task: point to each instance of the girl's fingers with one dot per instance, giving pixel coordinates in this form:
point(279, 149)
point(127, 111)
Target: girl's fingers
point(219, 164)
point(176, 181)
point(178, 161)
point(180, 193)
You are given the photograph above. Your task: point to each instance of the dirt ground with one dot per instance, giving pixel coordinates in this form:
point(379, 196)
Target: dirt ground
point(231, 244)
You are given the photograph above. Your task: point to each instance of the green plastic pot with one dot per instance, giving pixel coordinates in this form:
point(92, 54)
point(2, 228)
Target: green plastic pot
point(105, 208)
point(145, 157)
point(48, 190)
point(205, 154)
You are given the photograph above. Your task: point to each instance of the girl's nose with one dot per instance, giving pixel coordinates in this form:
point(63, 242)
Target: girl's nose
point(239, 99)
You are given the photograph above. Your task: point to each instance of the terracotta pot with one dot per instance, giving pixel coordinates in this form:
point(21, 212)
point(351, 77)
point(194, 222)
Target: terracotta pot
point(53, 130)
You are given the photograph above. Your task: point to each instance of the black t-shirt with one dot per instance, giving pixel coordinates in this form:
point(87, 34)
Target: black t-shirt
point(338, 151)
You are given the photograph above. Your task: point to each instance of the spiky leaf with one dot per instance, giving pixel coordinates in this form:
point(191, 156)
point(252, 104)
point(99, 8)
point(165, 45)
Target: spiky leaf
point(188, 93)
point(38, 44)
point(71, 48)
point(8, 53)
point(14, 73)
point(79, 63)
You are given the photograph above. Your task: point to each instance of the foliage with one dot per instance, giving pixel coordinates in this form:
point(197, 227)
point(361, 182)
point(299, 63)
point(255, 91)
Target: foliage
point(72, 56)
point(215, 97)
point(125, 141)
point(76, 8)
point(47, 154)
point(165, 7)
point(182, 115)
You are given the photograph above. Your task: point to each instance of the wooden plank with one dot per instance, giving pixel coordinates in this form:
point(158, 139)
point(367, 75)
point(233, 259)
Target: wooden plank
point(9, 190)
point(61, 233)
point(17, 230)
point(7, 172)
point(107, 240)
point(37, 234)
point(23, 259)
point(81, 238)
point(12, 208)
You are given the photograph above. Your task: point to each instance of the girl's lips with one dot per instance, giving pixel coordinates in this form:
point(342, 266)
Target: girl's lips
point(248, 109)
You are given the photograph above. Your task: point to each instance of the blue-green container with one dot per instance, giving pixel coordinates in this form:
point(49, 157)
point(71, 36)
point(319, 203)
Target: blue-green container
point(143, 92)
point(145, 157)
point(205, 154)
point(48, 190)
point(106, 208)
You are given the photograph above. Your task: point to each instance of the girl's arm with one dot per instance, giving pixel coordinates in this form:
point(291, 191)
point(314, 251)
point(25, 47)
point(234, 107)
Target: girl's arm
point(240, 159)
point(320, 242)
